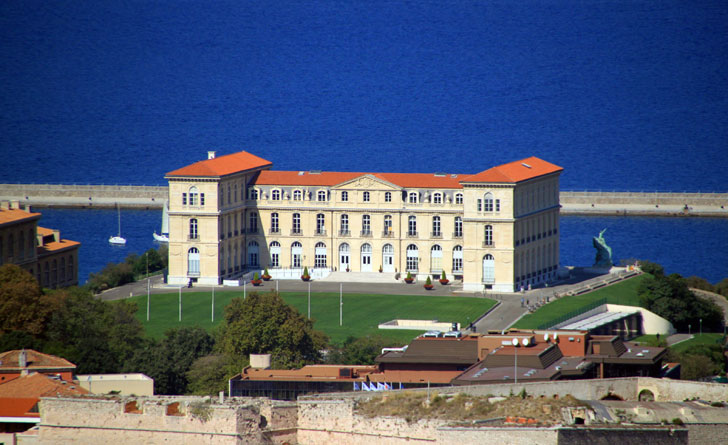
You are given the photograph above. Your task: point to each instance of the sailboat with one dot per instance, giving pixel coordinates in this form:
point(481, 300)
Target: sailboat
point(118, 239)
point(164, 237)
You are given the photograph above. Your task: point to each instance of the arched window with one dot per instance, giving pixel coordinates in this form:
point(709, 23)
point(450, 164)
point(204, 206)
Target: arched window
point(436, 233)
point(388, 225)
point(320, 255)
point(412, 226)
point(457, 259)
point(193, 228)
point(344, 256)
point(413, 197)
point(458, 198)
point(274, 223)
point(387, 196)
point(413, 258)
point(488, 269)
point(344, 196)
point(253, 194)
point(193, 261)
point(388, 258)
point(366, 196)
point(297, 195)
point(488, 236)
point(366, 225)
point(436, 259)
point(296, 253)
point(54, 274)
point(458, 227)
point(344, 230)
point(253, 253)
point(320, 224)
point(437, 198)
point(321, 195)
point(275, 254)
point(275, 195)
point(366, 257)
point(194, 194)
point(488, 202)
point(21, 245)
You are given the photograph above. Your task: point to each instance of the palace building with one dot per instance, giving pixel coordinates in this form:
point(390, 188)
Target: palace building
point(497, 229)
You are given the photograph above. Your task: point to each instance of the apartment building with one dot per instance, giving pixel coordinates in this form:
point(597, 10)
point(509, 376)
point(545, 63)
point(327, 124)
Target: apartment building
point(497, 229)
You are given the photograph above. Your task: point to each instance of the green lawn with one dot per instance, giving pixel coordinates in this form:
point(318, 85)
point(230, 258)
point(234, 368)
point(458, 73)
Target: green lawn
point(699, 339)
point(624, 292)
point(362, 313)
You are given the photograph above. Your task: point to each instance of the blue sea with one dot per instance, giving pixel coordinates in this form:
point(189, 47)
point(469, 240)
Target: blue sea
point(625, 95)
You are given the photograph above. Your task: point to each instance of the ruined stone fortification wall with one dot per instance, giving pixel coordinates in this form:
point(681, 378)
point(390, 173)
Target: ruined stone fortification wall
point(667, 390)
point(89, 421)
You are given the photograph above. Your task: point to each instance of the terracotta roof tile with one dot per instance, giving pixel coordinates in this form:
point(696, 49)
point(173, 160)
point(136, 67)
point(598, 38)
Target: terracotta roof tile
point(16, 215)
point(222, 165)
point(404, 180)
point(43, 231)
point(56, 246)
point(516, 171)
point(35, 360)
point(38, 385)
point(18, 407)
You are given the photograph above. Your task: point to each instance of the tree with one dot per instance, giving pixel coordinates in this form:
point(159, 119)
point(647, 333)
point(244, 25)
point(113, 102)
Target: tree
point(652, 268)
point(670, 298)
point(169, 360)
point(209, 375)
point(359, 351)
point(265, 324)
point(23, 305)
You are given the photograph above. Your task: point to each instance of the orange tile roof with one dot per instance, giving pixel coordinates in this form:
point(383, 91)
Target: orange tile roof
point(222, 166)
point(404, 180)
point(18, 407)
point(516, 171)
point(308, 373)
point(16, 215)
point(37, 385)
point(57, 246)
point(35, 360)
point(43, 231)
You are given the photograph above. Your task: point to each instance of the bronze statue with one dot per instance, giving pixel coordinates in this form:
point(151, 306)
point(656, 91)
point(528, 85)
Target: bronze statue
point(604, 252)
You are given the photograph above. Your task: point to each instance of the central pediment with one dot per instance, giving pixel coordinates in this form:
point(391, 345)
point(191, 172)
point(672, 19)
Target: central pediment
point(367, 182)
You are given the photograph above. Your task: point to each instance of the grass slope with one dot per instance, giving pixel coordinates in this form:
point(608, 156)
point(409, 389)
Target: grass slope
point(362, 312)
point(624, 292)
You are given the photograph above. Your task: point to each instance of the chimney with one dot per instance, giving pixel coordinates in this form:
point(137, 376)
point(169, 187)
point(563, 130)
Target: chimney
point(23, 360)
point(211, 154)
point(56, 235)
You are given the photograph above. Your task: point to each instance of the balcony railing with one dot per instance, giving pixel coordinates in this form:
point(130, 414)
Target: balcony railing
point(252, 230)
point(344, 232)
point(366, 233)
point(457, 234)
point(193, 237)
point(274, 231)
point(388, 234)
point(321, 232)
point(295, 232)
point(412, 234)
point(435, 234)
point(488, 244)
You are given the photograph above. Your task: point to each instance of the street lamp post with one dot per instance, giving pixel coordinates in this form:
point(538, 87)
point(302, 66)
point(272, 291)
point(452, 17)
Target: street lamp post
point(701, 327)
point(515, 362)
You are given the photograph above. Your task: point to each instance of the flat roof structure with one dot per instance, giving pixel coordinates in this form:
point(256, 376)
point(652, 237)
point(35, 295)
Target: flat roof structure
point(598, 320)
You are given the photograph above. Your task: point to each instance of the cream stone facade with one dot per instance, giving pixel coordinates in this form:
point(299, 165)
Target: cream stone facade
point(497, 229)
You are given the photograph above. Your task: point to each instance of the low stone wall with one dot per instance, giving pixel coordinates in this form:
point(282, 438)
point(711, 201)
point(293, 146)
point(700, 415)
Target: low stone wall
point(85, 196)
point(641, 203)
point(163, 420)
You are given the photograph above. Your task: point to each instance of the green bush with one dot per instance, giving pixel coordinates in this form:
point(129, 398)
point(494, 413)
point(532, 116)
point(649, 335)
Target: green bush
point(256, 277)
point(428, 282)
point(443, 276)
point(409, 275)
point(305, 271)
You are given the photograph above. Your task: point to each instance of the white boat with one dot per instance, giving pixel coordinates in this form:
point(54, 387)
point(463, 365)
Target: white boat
point(118, 239)
point(164, 236)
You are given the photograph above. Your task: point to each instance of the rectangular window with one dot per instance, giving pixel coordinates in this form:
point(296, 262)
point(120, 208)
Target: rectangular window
point(344, 196)
point(253, 226)
point(320, 224)
point(387, 224)
point(274, 260)
point(388, 197)
point(488, 204)
point(184, 199)
point(296, 224)
point(274, 223)
point(458, 227)
point(480, 205)
point(497, 205)
point(202, 199)
point(366, 196)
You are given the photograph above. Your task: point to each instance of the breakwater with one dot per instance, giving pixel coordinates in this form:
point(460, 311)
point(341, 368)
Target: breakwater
point(572, 202)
